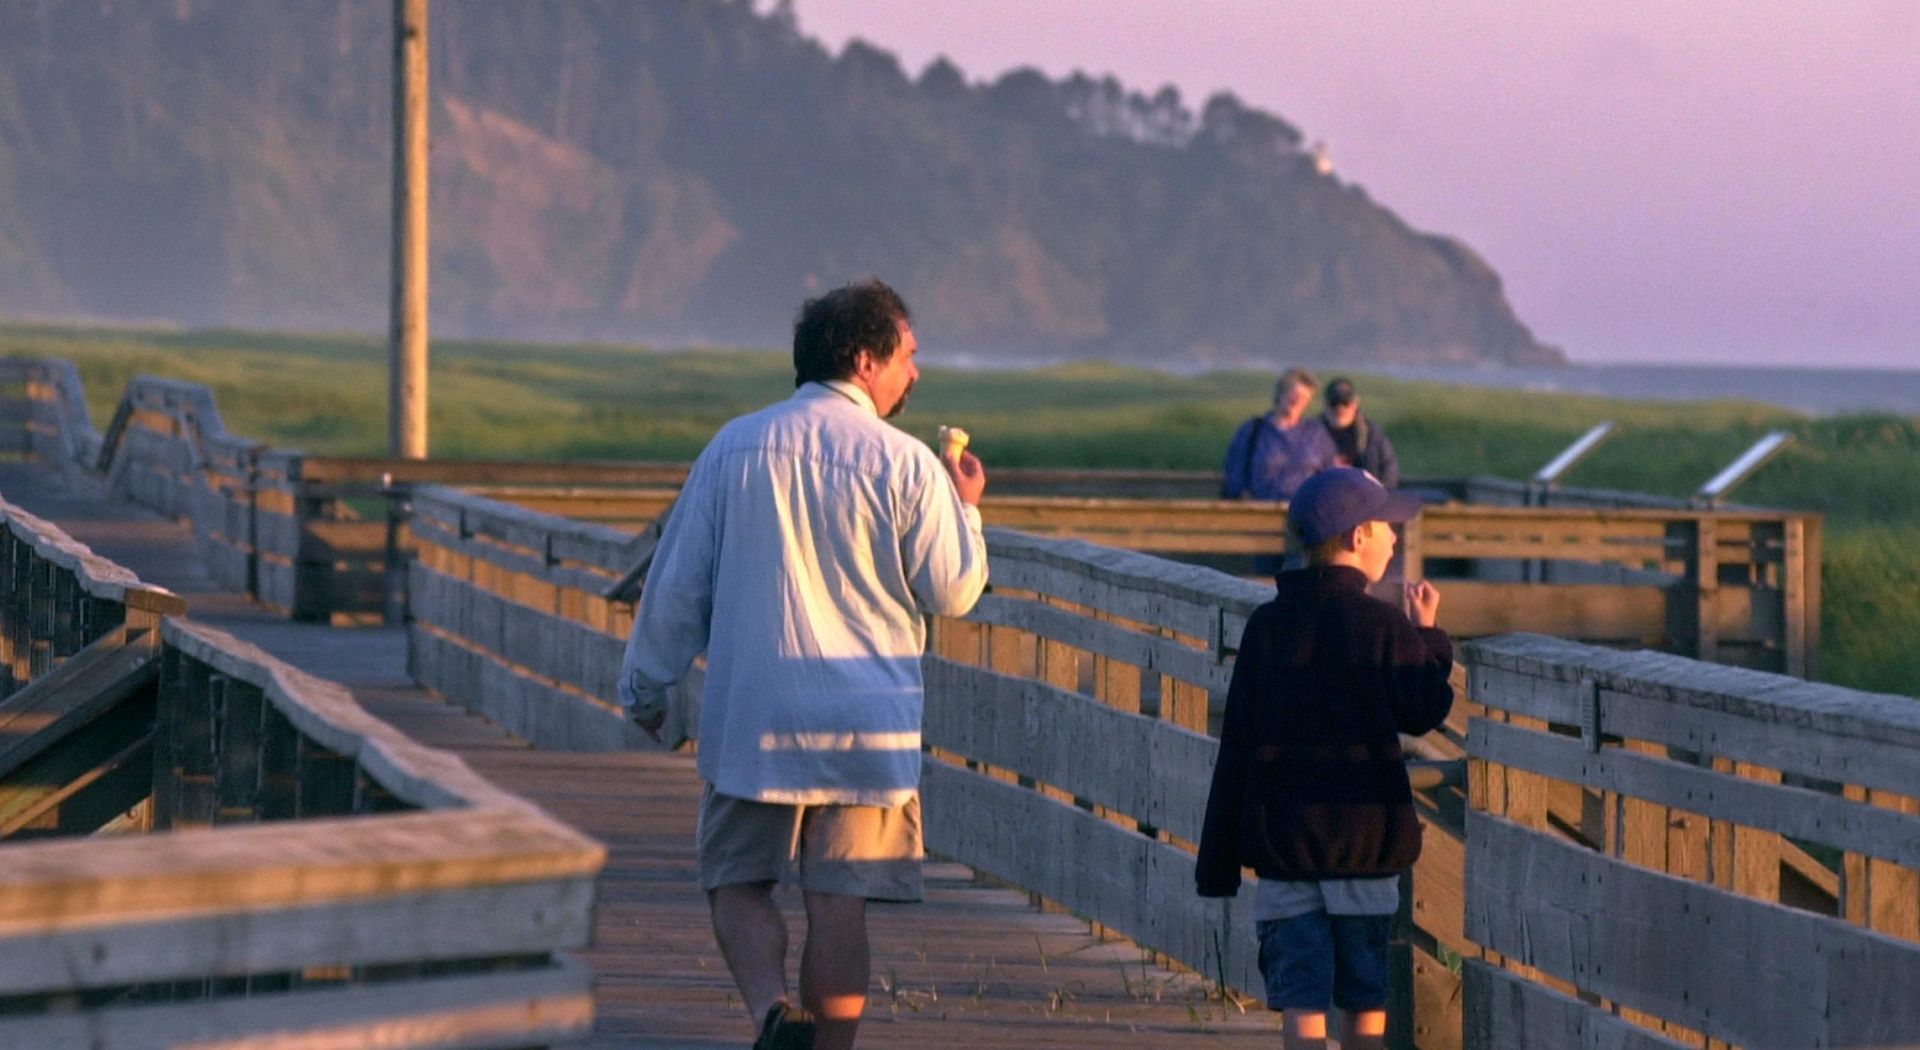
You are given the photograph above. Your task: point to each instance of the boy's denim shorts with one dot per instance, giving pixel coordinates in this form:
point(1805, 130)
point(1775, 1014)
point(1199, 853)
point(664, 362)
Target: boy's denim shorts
point(1316, 960)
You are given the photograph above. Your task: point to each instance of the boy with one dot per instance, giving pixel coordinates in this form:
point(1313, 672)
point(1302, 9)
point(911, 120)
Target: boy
point(1310, 790)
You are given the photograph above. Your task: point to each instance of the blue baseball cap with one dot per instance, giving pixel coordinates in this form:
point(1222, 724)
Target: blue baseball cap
point(1341, 498)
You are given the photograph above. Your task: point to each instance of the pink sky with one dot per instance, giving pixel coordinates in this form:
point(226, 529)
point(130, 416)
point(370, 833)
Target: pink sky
point(1701, 181)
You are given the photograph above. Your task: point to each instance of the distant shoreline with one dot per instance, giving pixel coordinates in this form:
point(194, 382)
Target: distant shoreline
point(1827, 391)
point(1815, 391)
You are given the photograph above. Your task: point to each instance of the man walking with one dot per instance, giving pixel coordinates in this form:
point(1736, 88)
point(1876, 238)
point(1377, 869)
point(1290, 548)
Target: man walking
point(807, 547)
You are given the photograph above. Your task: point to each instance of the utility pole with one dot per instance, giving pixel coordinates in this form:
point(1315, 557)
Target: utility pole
point(407, 327)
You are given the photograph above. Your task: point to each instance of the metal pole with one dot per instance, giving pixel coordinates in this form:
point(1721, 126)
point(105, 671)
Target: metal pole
point(1540, 486)
point(407, 343)
point(1548, 476)
point(1720, 485)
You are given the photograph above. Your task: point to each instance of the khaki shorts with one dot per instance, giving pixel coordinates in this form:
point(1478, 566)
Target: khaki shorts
point(857, 851)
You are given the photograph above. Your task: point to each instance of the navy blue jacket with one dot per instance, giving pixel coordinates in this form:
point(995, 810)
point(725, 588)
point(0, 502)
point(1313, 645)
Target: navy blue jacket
point(1267, 462)
point(1310, 783)
point(1365, 445)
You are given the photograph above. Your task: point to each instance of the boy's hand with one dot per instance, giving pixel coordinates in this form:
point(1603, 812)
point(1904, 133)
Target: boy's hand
point(1423, 602)
point(969, 477)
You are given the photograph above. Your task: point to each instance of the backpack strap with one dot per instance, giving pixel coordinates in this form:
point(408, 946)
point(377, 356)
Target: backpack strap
point(1246, 468)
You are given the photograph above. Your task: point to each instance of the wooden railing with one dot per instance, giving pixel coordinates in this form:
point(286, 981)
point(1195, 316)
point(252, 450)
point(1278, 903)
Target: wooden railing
point(43, 412)
point(354, 888)
point(57, 597)
point(509, 615)
point(1668, 853)
point(1070, 724)
point(1068, 717)
point(1735, 586)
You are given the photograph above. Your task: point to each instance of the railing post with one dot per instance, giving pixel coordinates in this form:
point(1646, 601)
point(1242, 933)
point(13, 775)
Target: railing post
point(251, 478)
point(279, 790)
point(11, 600)
point(237, 766)
point(165, 720)
point(394, 569)
point(312, 598)
point(40, 617)
point(1793, 597)
point(65, 635)
point(1705, 574)
point(194, 745)
point(324, 782)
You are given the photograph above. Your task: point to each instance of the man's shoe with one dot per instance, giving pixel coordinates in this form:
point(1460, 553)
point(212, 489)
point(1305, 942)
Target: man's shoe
point(785, 1028)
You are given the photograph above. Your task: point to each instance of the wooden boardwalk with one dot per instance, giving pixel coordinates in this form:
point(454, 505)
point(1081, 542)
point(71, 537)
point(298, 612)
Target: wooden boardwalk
point(973, 966)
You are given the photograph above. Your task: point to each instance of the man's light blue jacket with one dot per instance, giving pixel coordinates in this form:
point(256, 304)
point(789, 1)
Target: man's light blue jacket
point(808, 546)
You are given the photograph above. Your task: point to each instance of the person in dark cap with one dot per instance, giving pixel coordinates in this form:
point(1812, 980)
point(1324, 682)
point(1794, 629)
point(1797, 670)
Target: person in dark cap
point(1310, 789)
point(1360, 440)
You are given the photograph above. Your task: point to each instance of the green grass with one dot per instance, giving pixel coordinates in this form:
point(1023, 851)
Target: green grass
point(327, 394)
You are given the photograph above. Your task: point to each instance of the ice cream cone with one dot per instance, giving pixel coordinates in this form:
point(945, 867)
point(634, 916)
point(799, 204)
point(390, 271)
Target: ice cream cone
point(952, 442)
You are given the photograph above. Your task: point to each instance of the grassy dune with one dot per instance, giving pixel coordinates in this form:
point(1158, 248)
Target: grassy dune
point(327, 394)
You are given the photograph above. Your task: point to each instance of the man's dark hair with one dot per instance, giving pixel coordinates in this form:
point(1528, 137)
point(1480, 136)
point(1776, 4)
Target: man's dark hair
point(832, 330)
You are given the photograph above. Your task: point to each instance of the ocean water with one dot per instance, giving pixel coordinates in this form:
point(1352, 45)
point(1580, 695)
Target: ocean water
point(1815, 391)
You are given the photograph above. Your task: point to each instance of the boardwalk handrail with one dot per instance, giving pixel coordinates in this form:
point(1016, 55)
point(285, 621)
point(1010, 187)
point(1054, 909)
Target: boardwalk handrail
point(59, 429)
point(1732, 585)
point(1630, 808)
point(1068, 721)
point(1067, 716)
point(1070, 725)
point(391, 897)
point(508, 616)
point(57, 596)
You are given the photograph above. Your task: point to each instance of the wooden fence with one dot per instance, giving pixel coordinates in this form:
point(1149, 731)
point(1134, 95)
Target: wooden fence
point(1735, 586)
point(43, 411)
point(1068, 716)
point(1070, 723)
point(1667, 853)
point(509, 615)
point(351, 888)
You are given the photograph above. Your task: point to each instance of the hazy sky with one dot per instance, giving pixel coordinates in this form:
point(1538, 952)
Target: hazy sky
point(1657, 180)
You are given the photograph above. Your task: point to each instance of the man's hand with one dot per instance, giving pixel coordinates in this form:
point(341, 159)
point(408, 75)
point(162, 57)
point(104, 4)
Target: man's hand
point(646, 708)
point(650, 723)
point(969, 477)
point(1423, 601)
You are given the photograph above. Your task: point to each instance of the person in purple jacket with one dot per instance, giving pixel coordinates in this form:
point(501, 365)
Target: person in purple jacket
point(1310, 789)
point(1271, 454)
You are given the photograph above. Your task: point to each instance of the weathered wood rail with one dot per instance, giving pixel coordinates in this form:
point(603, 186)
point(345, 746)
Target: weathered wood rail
point(1637, 848)
point(1066, 727)
point(351, 887)
point(1731, 585)
point(1068, 716)
point(509, 613)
